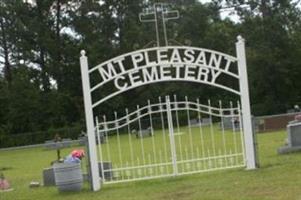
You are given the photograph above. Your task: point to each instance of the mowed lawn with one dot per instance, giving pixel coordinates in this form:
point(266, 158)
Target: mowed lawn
point(279, 177)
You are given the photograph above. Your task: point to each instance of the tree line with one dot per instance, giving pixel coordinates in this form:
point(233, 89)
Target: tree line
point(40, 43)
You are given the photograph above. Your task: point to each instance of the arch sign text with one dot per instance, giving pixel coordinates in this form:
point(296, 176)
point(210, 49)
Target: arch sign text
point(161, 64)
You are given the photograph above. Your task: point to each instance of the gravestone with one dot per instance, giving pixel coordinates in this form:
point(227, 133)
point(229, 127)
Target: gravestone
point(108, 175)
point(48, 177)
point(68, 176)
point(107, 167)
point(102, 138)
point(230, 123)
point(206, 121)
point(194, 122)
point(202, 122)
point(144, 133)
point(83, 139)
point(293, 142)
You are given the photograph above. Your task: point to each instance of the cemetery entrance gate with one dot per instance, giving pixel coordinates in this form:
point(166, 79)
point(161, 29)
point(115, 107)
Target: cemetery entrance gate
point(171, 136)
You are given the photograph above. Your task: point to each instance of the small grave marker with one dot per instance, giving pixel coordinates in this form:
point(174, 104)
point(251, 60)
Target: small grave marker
point(293, 143)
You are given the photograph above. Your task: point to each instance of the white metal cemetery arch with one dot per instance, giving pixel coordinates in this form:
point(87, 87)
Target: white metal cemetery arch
point(160, 64)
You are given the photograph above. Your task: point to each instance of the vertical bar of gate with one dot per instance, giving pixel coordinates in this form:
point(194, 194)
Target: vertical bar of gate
point(162, 117)
point(118, 138)
point(163, 128)
point(140, 136)
point(129, 134)
point(171, 137)
point(100, 150)
point(177, 116)
point(95, 183)
point(107, 137)
point(178, 124)
point(211, 131)
point(200, 128)
point(245, 103)
point(189, 129)
point(223, 130)
point(152, 131)
point(241, 133)
point(233, 130)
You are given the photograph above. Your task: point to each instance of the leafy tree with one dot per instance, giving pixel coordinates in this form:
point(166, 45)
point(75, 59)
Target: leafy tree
point(268, 27)
point(40, 43)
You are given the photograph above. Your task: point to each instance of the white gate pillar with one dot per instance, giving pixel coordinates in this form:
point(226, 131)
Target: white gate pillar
point(245, 104)
point(171, 137)
point(95, 179)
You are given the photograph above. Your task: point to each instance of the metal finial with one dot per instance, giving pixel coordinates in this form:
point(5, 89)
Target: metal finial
point(83, 53)
point(240, 38)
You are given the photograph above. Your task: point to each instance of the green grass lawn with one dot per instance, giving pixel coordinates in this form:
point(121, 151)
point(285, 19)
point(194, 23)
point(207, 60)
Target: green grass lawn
point(279, 177)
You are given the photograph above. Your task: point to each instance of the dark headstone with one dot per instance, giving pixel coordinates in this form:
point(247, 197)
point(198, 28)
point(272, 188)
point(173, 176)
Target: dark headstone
point(194, 122)
point(206, 121)
point(48, 177)
point(230, 123)
point(144, 133)
point(102, 139)
point(83, 140)
point(68, 176)
point(107, 167)
point(202, 122)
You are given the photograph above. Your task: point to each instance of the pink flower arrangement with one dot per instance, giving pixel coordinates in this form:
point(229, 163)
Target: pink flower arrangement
point(4, 184)
point(298, 117)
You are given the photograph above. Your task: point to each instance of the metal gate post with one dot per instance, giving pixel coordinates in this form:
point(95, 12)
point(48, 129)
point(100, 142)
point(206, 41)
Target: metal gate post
point(245, 104)
point(89, 122)
point(171, 137)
